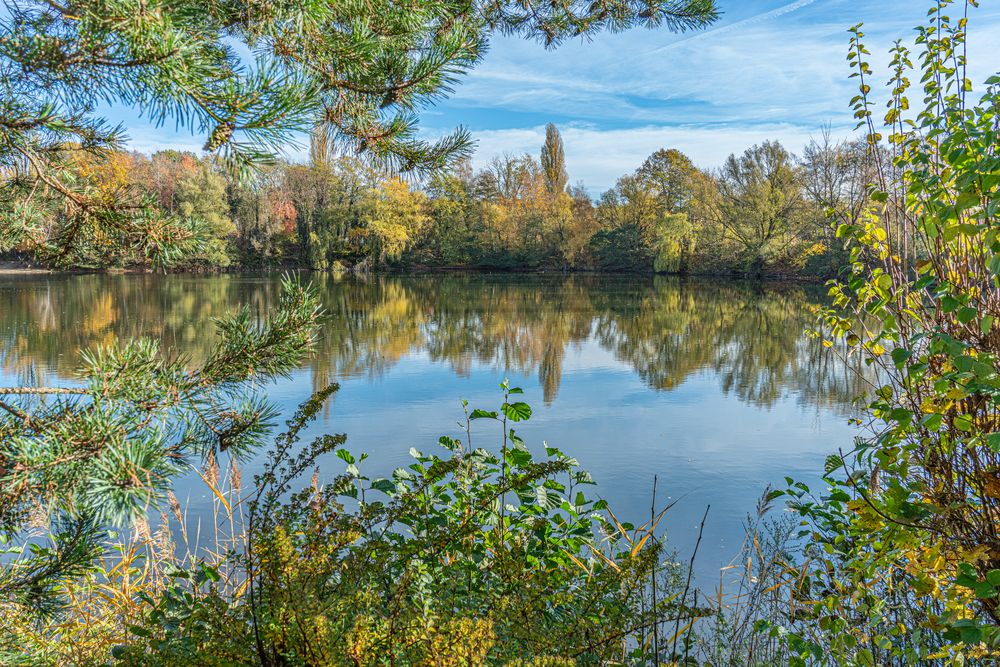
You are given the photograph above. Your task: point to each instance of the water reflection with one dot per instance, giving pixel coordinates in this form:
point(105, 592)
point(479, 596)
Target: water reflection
point(748, 336)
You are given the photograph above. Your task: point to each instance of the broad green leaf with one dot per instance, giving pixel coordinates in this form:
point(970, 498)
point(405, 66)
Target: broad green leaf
point(966, 314)
point(517, 411)
point(386, 486)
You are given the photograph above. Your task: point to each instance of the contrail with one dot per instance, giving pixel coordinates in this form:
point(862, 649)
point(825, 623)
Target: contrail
point(766, 16)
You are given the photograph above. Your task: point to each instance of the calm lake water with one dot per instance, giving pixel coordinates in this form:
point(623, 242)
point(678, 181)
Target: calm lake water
point(710, 385)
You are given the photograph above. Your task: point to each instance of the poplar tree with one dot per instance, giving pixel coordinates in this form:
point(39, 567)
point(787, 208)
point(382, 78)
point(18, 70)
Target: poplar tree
point(554, 161)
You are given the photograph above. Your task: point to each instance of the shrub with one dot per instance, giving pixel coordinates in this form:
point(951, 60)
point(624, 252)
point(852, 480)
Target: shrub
point(464, 557)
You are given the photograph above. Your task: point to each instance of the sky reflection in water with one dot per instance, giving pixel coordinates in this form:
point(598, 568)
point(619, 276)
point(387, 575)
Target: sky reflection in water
point(711, 385)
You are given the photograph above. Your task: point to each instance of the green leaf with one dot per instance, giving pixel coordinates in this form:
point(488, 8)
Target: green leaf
point(517, 411)
point(518, 457)
point(209, 573)
point(140, 631)
point(932, 422)
point(833, 462)
point(546, 498)
point(966, 314)
point(967, 200)
point(401, 474)
point(386, 486)
point(482, 414)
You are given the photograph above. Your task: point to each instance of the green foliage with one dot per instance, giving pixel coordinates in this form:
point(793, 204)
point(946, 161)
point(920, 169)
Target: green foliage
point(668, 174)
point(904, 545)
point(465, 557)
point(105, 451)
point(621, 249)
point(201, 194)
point(674, 243)
point(760, 205)
point(390, 221)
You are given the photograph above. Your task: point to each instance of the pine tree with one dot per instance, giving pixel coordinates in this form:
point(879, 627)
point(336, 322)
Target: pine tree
point(104, 451)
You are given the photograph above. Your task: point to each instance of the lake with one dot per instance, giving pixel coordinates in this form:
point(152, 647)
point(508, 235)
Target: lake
point(712, 386)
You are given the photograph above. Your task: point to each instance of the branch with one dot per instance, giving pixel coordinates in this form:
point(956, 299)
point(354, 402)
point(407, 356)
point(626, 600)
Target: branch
point(39, 391)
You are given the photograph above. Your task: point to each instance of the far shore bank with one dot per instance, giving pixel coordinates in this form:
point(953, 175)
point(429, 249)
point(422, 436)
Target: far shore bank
point(24, 268)
point(20, 268)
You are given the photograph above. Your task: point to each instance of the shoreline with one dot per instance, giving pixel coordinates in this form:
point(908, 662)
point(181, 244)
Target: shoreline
point(23, 269)
point(11, 268)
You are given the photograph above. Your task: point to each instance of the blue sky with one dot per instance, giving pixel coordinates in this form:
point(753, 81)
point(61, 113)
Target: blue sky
point(769, 69)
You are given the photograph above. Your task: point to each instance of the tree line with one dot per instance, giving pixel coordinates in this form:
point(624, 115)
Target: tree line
point(762, 212)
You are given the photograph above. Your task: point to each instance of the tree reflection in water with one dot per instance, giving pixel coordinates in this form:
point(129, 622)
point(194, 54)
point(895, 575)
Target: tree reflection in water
point(750, 336)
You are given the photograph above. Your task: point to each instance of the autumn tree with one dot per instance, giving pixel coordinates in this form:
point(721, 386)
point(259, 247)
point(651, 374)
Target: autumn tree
point(456, 225)
point(668, 174)
point(628, 215)
point(835, 178)
point(391, 220)
point(761, 206)
point(161, 174)
point(583, 226)
point(553, 161)
point(200, 194)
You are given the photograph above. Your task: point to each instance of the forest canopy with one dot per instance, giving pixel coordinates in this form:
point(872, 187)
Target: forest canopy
point(764, 212)
point(355, 74)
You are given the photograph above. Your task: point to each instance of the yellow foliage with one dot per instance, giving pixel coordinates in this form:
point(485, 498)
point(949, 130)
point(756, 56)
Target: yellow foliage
point(544, 661)
point(393, 219)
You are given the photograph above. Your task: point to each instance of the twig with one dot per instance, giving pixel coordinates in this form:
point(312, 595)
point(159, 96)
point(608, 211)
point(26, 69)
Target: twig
point(687, 584)
point(656, 626)
point(38, 391)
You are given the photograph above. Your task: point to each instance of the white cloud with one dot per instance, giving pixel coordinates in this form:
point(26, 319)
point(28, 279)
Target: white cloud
point(784, 63)
point(774, 69)
point(598, 157)
point(149, 139)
